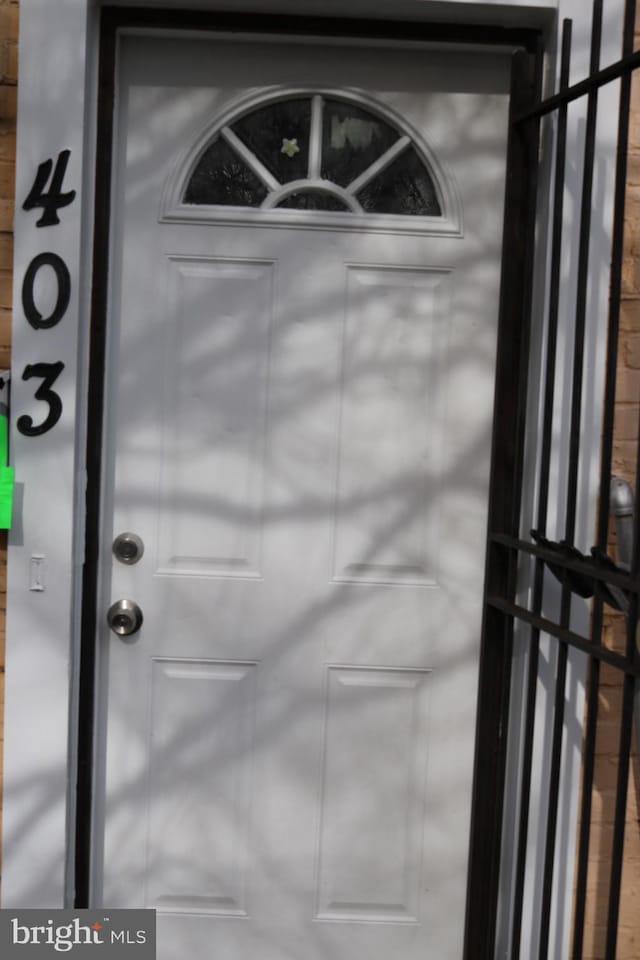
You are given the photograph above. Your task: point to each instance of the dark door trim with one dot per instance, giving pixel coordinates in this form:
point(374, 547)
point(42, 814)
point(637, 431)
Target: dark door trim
point(507, 464)
point(506, 471)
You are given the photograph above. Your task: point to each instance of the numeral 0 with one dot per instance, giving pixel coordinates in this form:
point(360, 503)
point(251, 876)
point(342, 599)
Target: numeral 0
point(31, 312)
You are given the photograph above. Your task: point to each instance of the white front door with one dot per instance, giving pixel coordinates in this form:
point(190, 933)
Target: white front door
point(299, 402)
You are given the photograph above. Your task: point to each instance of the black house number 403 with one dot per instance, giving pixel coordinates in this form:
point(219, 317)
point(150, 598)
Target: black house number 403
point(48, 195)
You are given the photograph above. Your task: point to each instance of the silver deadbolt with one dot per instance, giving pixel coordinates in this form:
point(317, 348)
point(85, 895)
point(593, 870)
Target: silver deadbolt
point(124, 617)
point(128, 547)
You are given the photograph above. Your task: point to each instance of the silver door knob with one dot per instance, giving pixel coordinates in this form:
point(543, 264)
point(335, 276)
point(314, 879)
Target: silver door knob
point(124, 617)
point(128, 547)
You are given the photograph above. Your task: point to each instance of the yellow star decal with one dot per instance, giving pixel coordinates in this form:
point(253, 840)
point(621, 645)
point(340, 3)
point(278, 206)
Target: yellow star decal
point(290, 147)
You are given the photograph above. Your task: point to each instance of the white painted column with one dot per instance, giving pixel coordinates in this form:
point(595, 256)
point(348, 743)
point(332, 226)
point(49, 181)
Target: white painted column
point(51, 118)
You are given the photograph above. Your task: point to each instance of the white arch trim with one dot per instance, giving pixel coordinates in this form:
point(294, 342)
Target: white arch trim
point(173, 209)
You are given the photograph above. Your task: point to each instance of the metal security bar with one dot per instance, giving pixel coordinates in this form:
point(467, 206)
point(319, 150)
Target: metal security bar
point(510, 550)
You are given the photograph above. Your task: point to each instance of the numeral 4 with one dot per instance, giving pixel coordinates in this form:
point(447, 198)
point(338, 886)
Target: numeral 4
point(52, 199)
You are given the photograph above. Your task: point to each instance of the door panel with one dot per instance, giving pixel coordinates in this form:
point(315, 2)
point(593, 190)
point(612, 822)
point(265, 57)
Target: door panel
point(394, 321)
point(379, 714)
point(187, 849)
point(298, 428)
point(214, 415)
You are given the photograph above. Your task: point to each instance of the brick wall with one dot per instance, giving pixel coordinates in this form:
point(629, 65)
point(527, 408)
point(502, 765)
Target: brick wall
point(603, 812)
point(610, 700)
point(8, 80)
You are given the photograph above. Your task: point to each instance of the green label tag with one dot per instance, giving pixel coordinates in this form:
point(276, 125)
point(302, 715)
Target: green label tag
point(6, 497)
point(4, 436)
point(6, 473)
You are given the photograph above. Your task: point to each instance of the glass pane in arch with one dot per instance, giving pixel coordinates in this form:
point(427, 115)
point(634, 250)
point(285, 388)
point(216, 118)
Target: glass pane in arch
point(278, 134)
point(352, 139)
point(221, 177)
point(313, 200)
point(405, 187)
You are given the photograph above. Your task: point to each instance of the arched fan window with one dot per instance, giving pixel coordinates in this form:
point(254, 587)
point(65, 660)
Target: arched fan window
point(314, 153)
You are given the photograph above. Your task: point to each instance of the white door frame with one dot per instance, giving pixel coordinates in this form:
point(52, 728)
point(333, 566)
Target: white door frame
point(57, 111)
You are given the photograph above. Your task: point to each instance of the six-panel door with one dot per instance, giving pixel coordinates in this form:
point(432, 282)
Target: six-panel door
point(298, 428)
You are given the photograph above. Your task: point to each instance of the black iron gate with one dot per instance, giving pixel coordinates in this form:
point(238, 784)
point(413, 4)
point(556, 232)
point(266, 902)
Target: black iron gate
point(512, 617)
